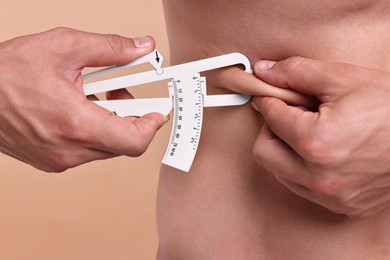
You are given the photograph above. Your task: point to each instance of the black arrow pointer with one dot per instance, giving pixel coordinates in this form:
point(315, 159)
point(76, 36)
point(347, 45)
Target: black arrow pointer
point(157, 57)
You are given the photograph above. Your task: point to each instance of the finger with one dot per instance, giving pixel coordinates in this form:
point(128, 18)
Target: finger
point(240, 81)
point(118, 94)
point(289, 123)
point(287, 166)
point(83, 49)
point(311, 77)
point(123, 136)
point(301, 191)
point(277, 157)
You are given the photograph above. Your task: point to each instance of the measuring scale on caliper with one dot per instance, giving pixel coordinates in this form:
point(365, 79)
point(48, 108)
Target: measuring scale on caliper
point(187, 97)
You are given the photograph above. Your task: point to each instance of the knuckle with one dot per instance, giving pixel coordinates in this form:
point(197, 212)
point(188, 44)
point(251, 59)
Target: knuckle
point(341, 206)
point(74, 129)
point(58, 169)
point(292, 64)
point(116, 44)
point(329, 186)
point(336, 194)
point(139, 147)
point(321, 148)
point(335, 208)
point(314, 150)
point(293, 68)
point(60, 162)
point(65, 164)
point(67, 38)
point(359, 214)
point(61, 30)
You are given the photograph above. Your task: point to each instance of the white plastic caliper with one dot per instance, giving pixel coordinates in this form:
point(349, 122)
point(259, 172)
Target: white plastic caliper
point(187, 97)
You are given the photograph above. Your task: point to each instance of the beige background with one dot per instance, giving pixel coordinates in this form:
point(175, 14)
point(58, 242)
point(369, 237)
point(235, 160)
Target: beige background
point(102, 210)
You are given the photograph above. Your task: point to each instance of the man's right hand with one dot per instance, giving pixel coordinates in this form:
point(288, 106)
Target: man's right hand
point(326, 132)
point(45, 118)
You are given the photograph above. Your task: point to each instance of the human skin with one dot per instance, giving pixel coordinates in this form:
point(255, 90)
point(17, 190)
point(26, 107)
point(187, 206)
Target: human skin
point(46, 120)
point(228, 206)
point(330, 156)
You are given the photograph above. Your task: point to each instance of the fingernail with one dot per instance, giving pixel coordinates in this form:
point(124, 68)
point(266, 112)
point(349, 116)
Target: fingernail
point(142, 42)
point(164, 118)
point(265, 64)
point(254, 106)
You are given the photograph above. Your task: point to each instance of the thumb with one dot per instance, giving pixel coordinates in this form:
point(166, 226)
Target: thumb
point(289, 123)
point(83, 49)
point(143, 133)
point(311, 77)
point(124, 136)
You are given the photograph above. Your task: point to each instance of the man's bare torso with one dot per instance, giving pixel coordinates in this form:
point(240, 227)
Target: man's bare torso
point(227, 207)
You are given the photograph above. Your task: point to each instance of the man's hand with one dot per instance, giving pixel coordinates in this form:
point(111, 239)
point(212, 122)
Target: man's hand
point(45, 119)
point(337, 156)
